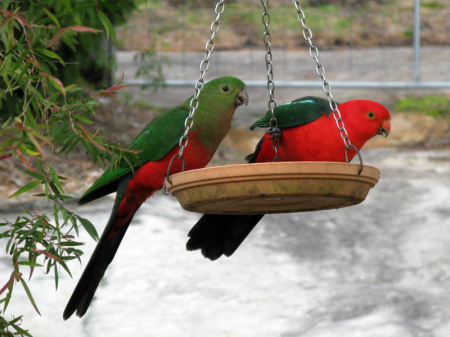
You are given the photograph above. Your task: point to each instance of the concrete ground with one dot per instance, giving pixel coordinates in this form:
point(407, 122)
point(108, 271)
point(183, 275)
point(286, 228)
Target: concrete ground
point(378, 269)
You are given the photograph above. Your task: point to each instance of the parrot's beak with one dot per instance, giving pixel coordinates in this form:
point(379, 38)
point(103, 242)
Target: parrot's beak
point(242, 98)
point(385, 128)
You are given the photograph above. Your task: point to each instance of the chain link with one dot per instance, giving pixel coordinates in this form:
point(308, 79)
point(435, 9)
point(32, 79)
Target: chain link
point(267, 38)
point(204, 65)
point(314, 53)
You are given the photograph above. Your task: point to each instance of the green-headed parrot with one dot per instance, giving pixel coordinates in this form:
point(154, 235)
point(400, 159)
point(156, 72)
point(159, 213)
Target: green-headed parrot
point(158, 143)
point(306, 131)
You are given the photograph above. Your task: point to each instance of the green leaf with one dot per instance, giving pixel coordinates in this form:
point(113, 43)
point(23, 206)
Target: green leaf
point(56, 276)
point(73, 90)
point(82, 118)
point(64, 197)
point(64, 214)
point(31, 12)
point(28, 263)
point(28, 150)
point(108, 26)
point(36, 224)
point(68, 41)
point(89, 227)
point(71, 244)
point(77, 140)
point(56, 131)
point(58, 230)
point(18, 78)
point(6, 123)
point(5, 4)
point(26, 188)
point(34, 175)
point(41, 235)
point(38, 163)
point(51, 16)
point(54, 189)
point(29, 295)
point(50, 54)
point(67, 4)
point(25, 210)
point(30, 118)
point(55, 179)
point(10, 290)
point(68, 142)
point(74, 223)
point(14, 321)
point(63, 264)
point(91, 148)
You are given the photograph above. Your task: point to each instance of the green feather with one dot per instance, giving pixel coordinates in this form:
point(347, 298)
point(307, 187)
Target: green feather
point(299, 112)
point(164, 132)
point(152, 147)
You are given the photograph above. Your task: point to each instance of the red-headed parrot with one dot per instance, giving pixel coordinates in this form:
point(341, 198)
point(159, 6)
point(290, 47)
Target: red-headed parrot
point(307, 132)
point(158, 143)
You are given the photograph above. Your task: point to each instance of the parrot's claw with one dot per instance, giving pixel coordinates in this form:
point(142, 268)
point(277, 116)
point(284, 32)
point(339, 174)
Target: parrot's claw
point(275, 133)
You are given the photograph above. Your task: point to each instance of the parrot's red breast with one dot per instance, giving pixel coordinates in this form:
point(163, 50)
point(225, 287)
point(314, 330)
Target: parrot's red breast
point(149, 178)
point(321, 140)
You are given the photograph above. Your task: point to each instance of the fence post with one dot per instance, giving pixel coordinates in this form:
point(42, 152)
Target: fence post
point(417, 40)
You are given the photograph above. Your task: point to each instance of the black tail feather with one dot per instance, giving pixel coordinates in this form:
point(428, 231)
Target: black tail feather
point(98, 193)
point(219, 234)
point(251, 158)
point(93, 273)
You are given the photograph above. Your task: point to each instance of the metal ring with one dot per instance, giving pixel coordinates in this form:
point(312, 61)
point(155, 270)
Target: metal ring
point(272, 101)
point(210, 43)
point(320, 70)
point(361, 166)
point(192, 106)
point(170, 165)
point(184, 140)
point(215, 27)
point(273, 119)
point(316, 52)
point(222, 4)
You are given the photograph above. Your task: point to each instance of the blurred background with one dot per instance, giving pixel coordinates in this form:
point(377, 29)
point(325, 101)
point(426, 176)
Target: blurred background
point(379, 269)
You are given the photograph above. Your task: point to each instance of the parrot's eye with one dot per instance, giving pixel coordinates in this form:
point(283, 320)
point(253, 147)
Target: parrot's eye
point(370, 114)
point(225, 88)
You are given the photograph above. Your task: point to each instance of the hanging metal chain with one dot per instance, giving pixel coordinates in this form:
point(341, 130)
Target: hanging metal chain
point(314, 52)
point(204, 65)
point(267, 38)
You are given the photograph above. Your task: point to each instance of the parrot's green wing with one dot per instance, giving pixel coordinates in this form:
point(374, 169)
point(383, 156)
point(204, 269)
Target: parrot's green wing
point(159, 136)
point(299, 112)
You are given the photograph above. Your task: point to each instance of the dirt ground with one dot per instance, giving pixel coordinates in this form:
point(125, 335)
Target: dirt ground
point(376, 23)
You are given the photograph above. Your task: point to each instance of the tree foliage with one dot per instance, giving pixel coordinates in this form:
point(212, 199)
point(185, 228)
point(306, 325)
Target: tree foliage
point(88, 58)
point(50, 121)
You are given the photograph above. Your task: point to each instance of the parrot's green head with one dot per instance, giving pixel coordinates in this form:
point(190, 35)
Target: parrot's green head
point(224, 91)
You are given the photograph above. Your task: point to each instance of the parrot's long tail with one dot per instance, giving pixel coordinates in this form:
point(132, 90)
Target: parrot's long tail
point(119, 221)
point(218, 234)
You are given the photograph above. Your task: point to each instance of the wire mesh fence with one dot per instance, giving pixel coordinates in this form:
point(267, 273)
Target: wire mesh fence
point(361, 43)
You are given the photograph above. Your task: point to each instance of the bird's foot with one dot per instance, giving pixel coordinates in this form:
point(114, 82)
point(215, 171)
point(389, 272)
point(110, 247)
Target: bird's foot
point(275, 133)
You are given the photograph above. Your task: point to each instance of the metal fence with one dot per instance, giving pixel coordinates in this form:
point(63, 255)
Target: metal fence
point(420, 60)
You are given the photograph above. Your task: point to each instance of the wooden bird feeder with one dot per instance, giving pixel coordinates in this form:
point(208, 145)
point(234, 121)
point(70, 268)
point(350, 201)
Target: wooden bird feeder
point(276, 187)
point(265, 188)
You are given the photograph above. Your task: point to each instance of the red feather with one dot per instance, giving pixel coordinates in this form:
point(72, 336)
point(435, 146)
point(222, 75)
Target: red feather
point(321, 140)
